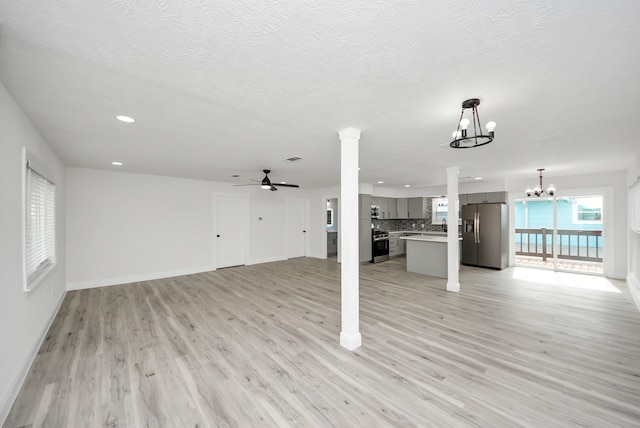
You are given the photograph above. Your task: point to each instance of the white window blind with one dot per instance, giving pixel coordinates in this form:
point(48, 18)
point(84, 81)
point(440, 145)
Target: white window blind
point(39, 224)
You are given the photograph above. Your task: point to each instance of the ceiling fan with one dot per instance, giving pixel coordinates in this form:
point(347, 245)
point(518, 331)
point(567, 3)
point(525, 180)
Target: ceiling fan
point(267, 184)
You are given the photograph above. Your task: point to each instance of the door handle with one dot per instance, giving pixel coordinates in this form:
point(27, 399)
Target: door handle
point(475, 228)
point(478, 228)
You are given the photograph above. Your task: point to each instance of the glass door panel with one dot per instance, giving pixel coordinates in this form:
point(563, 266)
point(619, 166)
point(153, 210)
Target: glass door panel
point(534, 232)
point(579, 236)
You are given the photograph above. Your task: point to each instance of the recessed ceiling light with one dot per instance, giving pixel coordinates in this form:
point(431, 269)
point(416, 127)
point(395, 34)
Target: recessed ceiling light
point(478, 178)
point(126, 119)
point(116, 163)
point(380, 182)
point(407, 185)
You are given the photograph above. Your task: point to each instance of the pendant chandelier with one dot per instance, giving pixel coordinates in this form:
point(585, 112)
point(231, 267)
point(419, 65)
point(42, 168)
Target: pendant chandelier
point(537, 190)
point(461, 137)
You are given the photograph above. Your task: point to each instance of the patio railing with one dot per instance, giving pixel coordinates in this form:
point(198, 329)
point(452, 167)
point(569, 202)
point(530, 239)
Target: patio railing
point(584, 245)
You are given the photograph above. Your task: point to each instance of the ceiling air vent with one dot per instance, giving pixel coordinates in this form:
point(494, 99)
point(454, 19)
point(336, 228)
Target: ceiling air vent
point(294, 158)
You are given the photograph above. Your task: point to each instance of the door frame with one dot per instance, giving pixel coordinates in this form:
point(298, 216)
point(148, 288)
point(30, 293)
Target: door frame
point(608, 226)
point(323, 205)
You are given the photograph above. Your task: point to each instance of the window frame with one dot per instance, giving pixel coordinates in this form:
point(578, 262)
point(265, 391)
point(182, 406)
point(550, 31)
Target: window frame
point(434, 209)
point(31, 165)
point(576, 214)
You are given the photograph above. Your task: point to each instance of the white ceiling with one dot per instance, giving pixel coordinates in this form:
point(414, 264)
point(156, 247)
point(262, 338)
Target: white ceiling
point(235, 86)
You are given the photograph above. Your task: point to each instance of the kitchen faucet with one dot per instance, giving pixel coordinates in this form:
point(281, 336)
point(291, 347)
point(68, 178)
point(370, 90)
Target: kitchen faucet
point(444, 224)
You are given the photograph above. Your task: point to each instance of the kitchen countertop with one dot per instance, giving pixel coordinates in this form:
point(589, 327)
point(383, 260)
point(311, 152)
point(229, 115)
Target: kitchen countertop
point(419, 232)
point(426, 238)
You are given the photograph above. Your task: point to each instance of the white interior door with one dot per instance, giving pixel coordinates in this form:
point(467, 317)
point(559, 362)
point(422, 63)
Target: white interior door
point(296, 228)
point(231, 230)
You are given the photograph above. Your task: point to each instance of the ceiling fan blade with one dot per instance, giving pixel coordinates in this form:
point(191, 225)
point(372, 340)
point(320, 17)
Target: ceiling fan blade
point(273, 188)
point(285, 185)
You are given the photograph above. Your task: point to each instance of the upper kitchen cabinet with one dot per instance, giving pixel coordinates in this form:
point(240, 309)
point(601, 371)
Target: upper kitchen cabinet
point(416, 207)
point(393, 207)
point(485, 198)
point(383, 206)
point(402, 208)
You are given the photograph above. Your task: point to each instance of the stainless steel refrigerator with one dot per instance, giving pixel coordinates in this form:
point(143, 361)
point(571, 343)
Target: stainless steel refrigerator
point(485, 235)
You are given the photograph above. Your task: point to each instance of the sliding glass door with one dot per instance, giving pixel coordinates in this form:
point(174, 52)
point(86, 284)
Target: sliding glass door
point(561, 233)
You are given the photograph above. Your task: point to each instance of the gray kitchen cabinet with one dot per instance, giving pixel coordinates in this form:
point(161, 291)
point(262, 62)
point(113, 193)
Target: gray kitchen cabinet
point(383, 205)
point(394, 244)
point(486, 198)
point(393, 207)
point(402, 208)
point(496, 197)
point(365, 240)
point(416, 208)
point(463, 199)
point(365, 226)
point(365, 206)
point(332, 243)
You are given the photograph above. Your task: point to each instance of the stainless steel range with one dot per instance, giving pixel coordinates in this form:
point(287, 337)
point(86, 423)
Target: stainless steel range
point(379, 246)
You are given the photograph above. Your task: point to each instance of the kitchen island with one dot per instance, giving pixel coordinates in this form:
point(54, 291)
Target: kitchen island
point(427, 254)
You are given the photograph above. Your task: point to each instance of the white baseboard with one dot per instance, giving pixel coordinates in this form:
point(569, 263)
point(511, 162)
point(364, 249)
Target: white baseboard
point(81, 285)
point(26, 367)
point(634, 287)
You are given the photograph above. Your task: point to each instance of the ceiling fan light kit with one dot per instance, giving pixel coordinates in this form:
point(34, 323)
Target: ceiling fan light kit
point(266, 184)
point(538, 190)
point(461, 137)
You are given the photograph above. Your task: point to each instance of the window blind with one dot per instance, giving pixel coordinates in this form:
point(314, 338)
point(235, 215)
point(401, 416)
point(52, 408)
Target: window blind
point(40, 224)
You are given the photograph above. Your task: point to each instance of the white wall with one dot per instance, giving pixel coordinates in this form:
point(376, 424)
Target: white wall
point(126, 227)
point(24, 320)
point(267, 224)
point(633, 281)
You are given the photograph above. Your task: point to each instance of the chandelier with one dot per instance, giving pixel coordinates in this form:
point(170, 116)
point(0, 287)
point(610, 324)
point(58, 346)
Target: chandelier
point(537, 189)
point(461, 138)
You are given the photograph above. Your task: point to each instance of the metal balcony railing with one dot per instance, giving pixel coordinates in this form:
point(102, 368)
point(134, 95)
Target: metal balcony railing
point(584, 245)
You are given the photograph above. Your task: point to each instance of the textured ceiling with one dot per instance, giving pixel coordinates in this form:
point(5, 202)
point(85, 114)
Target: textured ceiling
point(232, 87)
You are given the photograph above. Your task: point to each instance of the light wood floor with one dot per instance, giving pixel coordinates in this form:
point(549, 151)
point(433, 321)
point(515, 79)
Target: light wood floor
point(257, 346)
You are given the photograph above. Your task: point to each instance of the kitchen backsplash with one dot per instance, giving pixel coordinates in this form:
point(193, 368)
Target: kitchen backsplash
point(419, 224)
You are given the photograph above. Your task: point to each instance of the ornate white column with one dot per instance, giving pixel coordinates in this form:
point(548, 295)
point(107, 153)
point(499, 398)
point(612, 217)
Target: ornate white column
point(453, 244)
point(350, 336)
